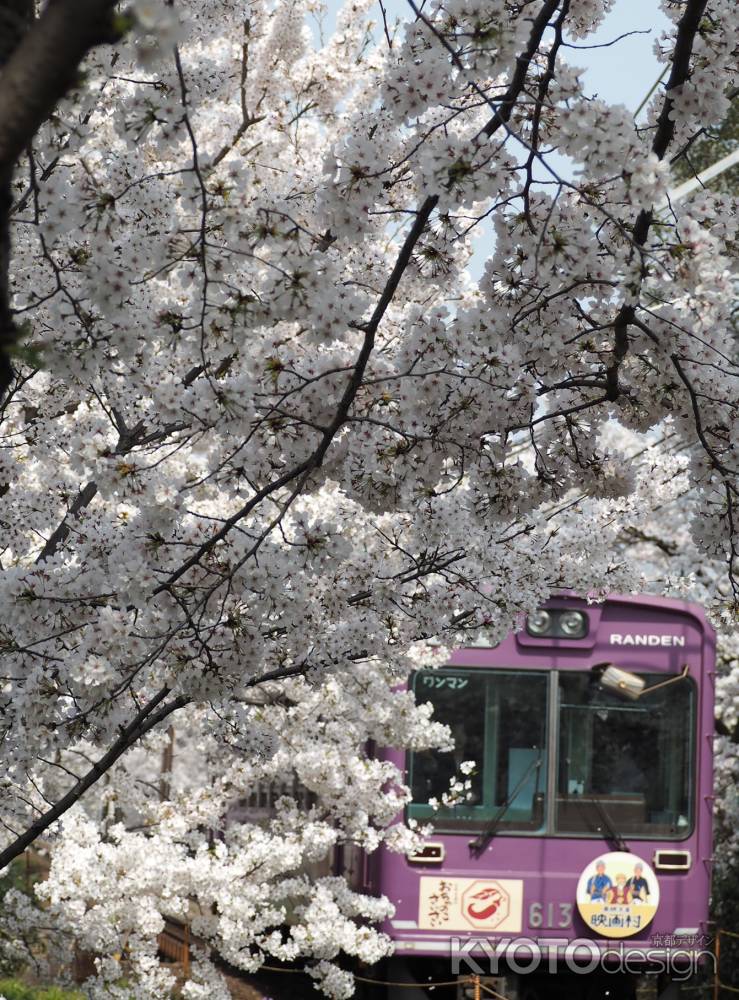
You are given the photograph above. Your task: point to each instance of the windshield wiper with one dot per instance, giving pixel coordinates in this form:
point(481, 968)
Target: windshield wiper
point(478, 845)
point(609, 831)
point(611, 835)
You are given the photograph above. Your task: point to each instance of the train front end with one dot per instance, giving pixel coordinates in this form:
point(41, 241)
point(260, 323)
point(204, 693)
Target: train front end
point(583, 838)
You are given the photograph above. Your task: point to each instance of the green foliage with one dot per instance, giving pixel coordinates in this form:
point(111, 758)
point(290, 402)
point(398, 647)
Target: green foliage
point(28, 354)
point(14, 989)
point(725, 906)
point(14, 877)
point(122, 23)
point(22, 874)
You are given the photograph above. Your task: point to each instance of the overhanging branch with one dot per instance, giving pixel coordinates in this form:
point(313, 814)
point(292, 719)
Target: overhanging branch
point(687, 30)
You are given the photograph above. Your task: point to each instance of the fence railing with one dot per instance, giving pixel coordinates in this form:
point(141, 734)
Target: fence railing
point(174, 944)
point(260, 802)
point(718, 985)
point(175, 941)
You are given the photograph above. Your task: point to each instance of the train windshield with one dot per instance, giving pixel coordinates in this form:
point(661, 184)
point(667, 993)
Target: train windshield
point(498, 721)
point(627, 765)
point(623, 768)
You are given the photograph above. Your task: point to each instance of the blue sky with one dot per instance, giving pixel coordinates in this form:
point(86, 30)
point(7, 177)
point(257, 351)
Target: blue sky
point(623, 72)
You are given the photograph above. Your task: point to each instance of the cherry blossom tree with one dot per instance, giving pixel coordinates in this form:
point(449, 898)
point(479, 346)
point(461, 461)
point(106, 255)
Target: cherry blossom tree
point(264, 434)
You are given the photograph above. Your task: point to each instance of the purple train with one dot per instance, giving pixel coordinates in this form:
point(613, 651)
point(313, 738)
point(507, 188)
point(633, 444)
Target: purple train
point(576, 862)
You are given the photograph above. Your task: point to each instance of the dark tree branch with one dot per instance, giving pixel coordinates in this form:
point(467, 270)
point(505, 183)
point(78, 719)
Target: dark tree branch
point(150, 715)
point(303, 470)
point(83, 498)
point(155, 711)
point(503, 109)
point(680, 72)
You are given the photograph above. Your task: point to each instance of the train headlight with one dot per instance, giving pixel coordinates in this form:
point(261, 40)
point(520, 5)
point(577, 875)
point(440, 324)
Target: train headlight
point(539, 623)
point(573, 624)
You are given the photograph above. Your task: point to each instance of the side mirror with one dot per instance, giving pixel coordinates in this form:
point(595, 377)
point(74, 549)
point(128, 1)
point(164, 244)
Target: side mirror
point(629, 685)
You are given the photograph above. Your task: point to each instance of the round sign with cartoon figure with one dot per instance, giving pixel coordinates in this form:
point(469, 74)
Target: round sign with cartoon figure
point(617, 895)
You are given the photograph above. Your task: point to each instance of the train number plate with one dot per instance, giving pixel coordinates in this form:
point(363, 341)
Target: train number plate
point(550, 915)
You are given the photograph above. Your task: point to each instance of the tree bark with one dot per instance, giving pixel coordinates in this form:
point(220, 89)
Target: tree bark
point(39, 63)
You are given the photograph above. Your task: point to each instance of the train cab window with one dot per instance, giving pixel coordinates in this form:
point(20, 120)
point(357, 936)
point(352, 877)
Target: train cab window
point(625, 767)
point(498, 721)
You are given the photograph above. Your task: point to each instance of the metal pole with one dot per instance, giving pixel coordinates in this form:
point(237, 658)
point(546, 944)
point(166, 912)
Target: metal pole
point(716, 977)
point(725, 163)
point(478, 992)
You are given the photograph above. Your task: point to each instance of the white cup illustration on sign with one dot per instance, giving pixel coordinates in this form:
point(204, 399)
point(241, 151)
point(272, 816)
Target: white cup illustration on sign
point(617, 894)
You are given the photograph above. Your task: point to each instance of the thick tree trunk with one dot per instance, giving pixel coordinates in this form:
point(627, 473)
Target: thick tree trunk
point(39, 62)
point(15, 19)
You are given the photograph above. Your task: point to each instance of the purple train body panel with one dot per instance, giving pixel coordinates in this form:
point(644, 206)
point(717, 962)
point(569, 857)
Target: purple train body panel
point(561, 796)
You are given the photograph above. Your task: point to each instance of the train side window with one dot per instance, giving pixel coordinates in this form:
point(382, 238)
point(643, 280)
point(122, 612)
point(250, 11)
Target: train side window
point(498, 722)
point(625, 765)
